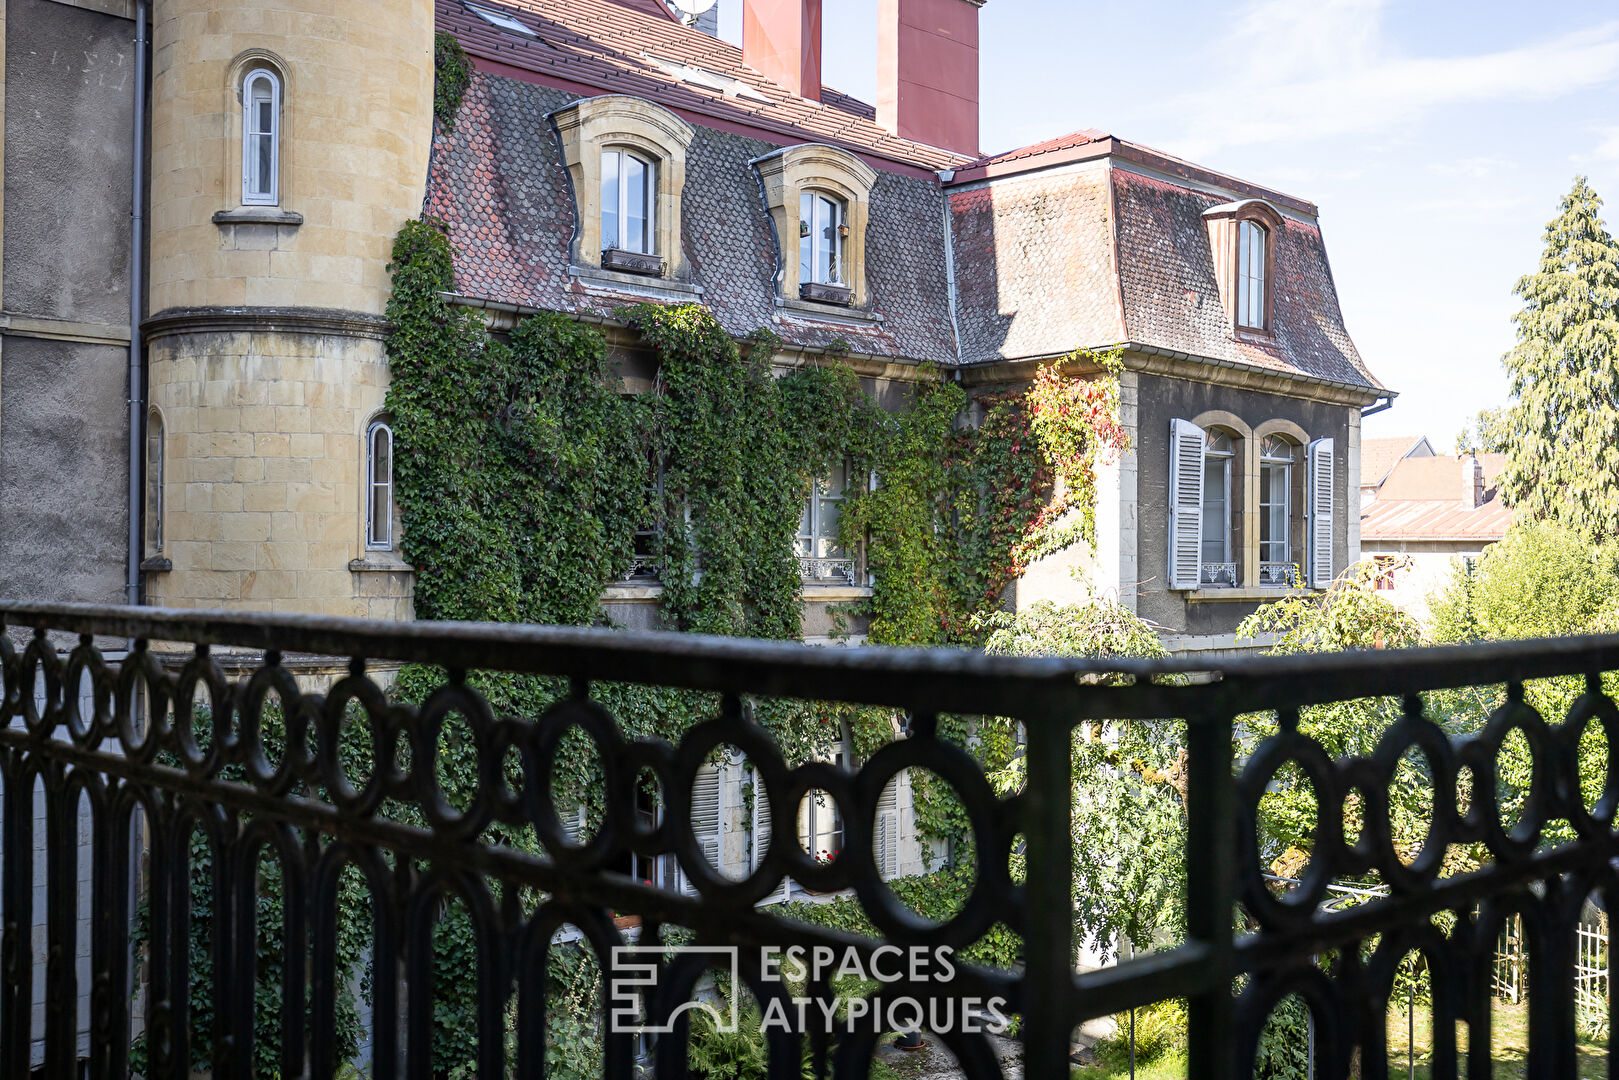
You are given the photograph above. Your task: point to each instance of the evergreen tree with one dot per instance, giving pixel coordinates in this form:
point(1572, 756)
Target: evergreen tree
point(1563, 458)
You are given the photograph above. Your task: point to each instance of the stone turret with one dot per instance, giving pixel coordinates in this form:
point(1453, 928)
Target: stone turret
point(289, 144)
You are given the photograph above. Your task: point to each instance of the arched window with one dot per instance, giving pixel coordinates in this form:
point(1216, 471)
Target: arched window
point(629, 191)
point(1276, 456)
point(154, 483)
point(1219, 565)
point(1252, 238)
point(261, 138)
point(822, 226)
point(379, 487)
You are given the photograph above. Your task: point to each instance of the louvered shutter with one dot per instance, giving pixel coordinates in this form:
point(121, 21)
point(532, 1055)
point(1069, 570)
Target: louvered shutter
point(1321, 499)
point(1185, 504)
point(885, 843)
point(761, 822)
point(573, 826)
point(705, 817)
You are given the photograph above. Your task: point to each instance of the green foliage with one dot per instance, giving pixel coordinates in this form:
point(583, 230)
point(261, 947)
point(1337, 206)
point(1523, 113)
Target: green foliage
point(936, 897)
point(1490, 432)
point(452, 74)
point(353, 924)
point(1543, 579)
point(1160, 1033)
point(1129, 815)
point(1563, 459)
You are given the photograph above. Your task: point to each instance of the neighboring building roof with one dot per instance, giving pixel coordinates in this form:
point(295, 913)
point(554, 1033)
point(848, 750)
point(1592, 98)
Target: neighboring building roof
point(1379, 456)
point(1421, 500)
point(602, 46)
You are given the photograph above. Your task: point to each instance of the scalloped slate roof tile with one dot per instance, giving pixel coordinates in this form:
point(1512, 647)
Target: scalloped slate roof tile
point(498, 183)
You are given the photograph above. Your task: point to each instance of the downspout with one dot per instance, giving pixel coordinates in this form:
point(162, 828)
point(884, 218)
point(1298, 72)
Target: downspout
point(137, 295)
point(945, 176)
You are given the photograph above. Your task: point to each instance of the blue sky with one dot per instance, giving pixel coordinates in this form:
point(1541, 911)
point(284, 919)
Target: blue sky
point(1437, 136)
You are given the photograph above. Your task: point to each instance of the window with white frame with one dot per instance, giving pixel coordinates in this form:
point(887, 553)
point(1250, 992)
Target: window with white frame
point(1252, 239)
point(261, 138)
point(628, 194)
point(821, 231)
point(154, 483)
point(1219, 562)
point(1276, 456)
point(820, 823)
point(820, 557)
point(379, 487)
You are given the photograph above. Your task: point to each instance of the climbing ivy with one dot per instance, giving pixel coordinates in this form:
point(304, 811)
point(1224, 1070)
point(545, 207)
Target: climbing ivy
point(524, 475)
point(452, 74)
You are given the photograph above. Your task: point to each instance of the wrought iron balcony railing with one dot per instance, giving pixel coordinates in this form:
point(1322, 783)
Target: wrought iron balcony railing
point(88, 742)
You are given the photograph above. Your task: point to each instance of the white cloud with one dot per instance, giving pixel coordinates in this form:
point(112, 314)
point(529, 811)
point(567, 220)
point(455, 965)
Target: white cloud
point(1293, 71)
point(1607, 149)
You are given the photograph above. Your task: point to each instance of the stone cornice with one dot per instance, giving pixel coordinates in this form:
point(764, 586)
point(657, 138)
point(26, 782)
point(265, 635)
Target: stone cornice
point(1152, 360)
point(283, 320)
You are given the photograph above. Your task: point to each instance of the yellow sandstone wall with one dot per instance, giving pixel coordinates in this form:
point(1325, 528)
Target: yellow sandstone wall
point(265, 354)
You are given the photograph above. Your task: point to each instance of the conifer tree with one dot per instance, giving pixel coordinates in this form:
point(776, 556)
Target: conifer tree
point(1563, 458)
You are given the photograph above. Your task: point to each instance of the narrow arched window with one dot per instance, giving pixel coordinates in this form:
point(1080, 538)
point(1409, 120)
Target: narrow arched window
point(1276, 456)
point(822, 227)
point(154, 483)
point(1219, 567)
point(379, 487)
point(1252, 251)
point(261, 138)
point(629, 192)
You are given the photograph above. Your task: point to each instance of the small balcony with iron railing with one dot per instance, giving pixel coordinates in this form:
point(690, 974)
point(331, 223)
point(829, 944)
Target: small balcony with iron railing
point(134, 741)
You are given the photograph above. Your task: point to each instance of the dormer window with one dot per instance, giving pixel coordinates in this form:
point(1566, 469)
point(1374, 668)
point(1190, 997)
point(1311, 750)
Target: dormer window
point(629, 194)
point(819, 198)
point(627, 160)
point(261, 138)
point(1252, 249)
point(822, 226)
point(1243, 242)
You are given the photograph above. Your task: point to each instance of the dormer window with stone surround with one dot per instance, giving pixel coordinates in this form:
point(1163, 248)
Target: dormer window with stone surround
point(627, 158)
point(1242, 240)
point(819, 197)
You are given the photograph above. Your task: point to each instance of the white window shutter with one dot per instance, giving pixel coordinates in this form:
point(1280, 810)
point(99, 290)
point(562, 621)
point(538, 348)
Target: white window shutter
point(705, 817)
point(761, 822)
point(885, 843)
point(1321, 501)
point(1185, 504)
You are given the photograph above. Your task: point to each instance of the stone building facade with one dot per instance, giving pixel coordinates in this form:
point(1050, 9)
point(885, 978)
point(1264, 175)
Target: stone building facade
point(286, 147)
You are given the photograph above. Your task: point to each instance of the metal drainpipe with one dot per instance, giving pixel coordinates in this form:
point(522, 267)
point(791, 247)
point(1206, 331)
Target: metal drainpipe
point(137, 284)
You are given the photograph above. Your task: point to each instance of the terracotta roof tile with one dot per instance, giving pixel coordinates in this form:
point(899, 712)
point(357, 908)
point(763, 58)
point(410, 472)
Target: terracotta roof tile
point(1378, 456)
point(1390, 520)
point(1062, 142)
point(602, 44)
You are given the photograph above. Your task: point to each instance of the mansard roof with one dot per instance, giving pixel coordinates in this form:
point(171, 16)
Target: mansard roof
point(1081, 241)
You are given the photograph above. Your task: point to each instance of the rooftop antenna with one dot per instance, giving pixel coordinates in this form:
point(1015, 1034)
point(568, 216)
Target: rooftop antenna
point(691, 9)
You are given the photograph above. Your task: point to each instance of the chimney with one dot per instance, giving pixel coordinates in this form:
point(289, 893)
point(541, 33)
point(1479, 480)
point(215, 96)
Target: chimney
point(781, 40)
point(1472, 482)
point(927, 71)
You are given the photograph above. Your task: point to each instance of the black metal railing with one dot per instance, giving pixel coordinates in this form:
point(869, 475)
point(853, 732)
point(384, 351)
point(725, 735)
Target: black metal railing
point(89, 742)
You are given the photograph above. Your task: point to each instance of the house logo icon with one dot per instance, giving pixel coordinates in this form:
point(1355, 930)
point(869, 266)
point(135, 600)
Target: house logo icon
point(635, 978)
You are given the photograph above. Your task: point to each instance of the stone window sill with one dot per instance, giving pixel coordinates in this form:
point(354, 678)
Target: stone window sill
point(259, 215)
point(832, 313)
point(633, 592)
point(1240, 596)
point(157, 564)
point(813, 591)
point(380, 562)
point(593, 277)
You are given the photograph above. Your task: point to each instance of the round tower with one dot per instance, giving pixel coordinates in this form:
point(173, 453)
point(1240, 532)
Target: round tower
point(288, 145)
